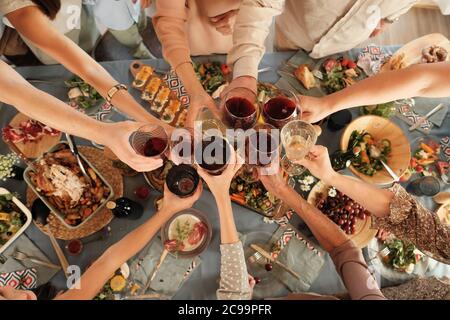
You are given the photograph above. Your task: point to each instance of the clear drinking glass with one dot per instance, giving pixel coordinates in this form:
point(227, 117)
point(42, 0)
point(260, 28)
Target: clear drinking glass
point(297, 138)
point(150, 141)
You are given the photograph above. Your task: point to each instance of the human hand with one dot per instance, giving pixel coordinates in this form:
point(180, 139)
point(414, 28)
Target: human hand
point(116, 136)
point(240, 82)
point(220, 185)
point(314, 109)
point(275, 184)
point(197, 104)
point(171, 203)
point(318, 163)
point(224, 23)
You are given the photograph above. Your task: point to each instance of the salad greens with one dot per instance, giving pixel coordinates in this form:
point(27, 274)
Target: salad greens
point(210, 75)
point(368, 152)
point(11, 218)
point(385, 110)
point(402, 255)
point(83, 94)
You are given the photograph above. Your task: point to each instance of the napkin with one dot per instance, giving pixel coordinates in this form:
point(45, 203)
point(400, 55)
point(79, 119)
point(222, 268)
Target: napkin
point(437, 118)
point(20, 279)
point(176, 86)
point(407, 113)
point(371, 59)
point(25, 245)
point(292, 248)
point(445, 145)
point(169, 278)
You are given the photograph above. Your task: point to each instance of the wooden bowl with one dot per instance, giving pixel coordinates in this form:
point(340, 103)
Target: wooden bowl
point(364, 232)
point(381, 128)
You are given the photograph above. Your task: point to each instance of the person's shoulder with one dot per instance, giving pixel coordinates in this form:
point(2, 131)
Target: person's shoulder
point(8, 6)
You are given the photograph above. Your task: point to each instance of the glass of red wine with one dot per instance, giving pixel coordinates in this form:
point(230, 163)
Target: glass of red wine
point(150, 141)
point(182, 180)
point(240, 108)
point(261, 150)
point(212, 153)
point(281, 109)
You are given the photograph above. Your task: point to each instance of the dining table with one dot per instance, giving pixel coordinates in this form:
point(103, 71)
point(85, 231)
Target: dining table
point(204, 281)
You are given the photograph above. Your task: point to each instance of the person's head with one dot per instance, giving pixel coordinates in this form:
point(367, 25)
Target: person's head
point(49, 7)
point(9, 293)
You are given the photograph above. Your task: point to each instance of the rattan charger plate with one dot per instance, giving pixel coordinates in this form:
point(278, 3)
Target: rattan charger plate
point(103, 217)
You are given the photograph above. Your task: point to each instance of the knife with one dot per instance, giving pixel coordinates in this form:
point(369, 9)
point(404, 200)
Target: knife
point(429, 114)
point(267, 255)
point(74, 149)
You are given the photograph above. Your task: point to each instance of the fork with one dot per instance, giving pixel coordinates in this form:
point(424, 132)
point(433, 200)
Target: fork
point(257, 256)
point(20, 256)
point(390, 171)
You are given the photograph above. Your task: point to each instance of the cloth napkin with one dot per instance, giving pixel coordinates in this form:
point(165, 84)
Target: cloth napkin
point(371, 58)
point(21, 279)
point(292, 248)
point(169, 278)
point(25, 245)
point(437, 118)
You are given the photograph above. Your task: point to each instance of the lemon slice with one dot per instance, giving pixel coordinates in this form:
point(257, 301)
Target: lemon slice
point(118, 283)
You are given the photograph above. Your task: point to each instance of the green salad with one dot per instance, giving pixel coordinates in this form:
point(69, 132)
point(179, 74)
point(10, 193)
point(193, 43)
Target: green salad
point(385, 110)
point(368, 152)
point(211, 75)
point(11, 218)
point(83, 94)
point(402, 255)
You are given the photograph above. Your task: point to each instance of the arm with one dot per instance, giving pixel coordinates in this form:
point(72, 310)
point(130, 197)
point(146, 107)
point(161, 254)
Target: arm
point(170, 26)
point(250, 32)
point(234, 282)
point(393, 210)
point(346, 256)
point(423, 80)
point(35, 26)
point(36, 104)
point(95, 277)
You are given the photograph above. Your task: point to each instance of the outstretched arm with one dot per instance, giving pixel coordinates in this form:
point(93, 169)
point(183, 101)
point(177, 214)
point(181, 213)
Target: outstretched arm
point(100, 271)
point(31, 23)
point(423, 80)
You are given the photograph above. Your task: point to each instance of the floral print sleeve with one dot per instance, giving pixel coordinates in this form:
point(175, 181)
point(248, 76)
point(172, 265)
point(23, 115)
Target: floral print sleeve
point(409, 220)
point(233, 274)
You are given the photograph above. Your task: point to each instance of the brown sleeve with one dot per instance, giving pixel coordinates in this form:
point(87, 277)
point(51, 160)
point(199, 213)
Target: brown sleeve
point(169, 22)
point(410, 221)
point(358, 280)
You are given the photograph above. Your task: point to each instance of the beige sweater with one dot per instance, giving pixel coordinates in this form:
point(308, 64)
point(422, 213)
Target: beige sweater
point(184, 29)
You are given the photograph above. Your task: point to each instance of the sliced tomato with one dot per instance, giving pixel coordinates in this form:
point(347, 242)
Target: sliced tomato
point(225, 69)
point(329, 64)
point(197, 233)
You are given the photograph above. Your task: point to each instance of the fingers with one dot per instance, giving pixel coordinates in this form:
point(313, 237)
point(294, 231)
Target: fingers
point(142, 164)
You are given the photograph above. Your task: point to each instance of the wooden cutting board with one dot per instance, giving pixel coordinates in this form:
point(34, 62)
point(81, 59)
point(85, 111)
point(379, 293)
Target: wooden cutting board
point(34, 149)
point(413, 49)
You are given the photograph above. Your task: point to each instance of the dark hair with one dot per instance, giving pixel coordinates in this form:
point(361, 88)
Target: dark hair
point(49, 7)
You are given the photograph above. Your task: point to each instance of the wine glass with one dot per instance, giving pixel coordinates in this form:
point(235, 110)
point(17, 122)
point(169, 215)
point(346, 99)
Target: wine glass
point(212, 153)
point(150, 141)
point(297, 138)
point(181, 146)
point(240, 108)
point(281, 109)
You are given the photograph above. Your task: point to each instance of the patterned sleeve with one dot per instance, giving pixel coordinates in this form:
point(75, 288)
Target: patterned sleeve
point(233, 274)
point(410, 221)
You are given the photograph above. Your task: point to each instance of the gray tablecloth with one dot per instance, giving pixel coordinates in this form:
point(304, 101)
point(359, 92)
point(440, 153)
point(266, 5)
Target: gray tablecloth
point(204, 280)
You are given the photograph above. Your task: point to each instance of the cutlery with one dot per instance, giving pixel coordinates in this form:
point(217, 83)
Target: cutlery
point(40, 212)
point(20, 256)
point(155, 270)
point(267, 255)
point(382, 254)
point(428, 115)
point(141, 297)
point(262, 70)
point(74, 149)
point(390, 171)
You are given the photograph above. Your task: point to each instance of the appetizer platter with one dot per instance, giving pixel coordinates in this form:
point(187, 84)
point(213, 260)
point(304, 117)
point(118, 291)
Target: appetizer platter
point(30, 136)
point(381, 139)
point(352, 218)
point(57, 179)
point(431, 48)
point(163, 102)
point(187, 234)
point(15, 218)
point(427, 159)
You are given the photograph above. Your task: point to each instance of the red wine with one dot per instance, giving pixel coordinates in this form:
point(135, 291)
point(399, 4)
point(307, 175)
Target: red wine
point(264, 144)
point(241, 113)
point(182, 180)
point(207, 157)
point(154, 147)
point(279, 109)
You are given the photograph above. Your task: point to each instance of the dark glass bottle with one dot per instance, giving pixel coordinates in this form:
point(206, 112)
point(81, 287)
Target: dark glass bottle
point(125, 208)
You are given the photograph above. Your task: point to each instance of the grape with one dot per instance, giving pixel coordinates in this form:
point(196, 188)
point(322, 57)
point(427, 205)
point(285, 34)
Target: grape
point(268, 267)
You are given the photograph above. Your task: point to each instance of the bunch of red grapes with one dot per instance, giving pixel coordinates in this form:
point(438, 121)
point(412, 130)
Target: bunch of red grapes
point(343, 211)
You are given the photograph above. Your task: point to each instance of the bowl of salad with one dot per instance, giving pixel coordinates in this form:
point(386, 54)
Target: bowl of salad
point(15, 218)
point(373, 139)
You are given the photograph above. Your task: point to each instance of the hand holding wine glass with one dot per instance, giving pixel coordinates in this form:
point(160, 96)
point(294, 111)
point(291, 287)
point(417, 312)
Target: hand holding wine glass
point(171, 203)
point(318, 163)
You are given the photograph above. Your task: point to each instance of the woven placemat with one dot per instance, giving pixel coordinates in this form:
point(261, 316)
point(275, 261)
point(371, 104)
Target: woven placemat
point(101, 218)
